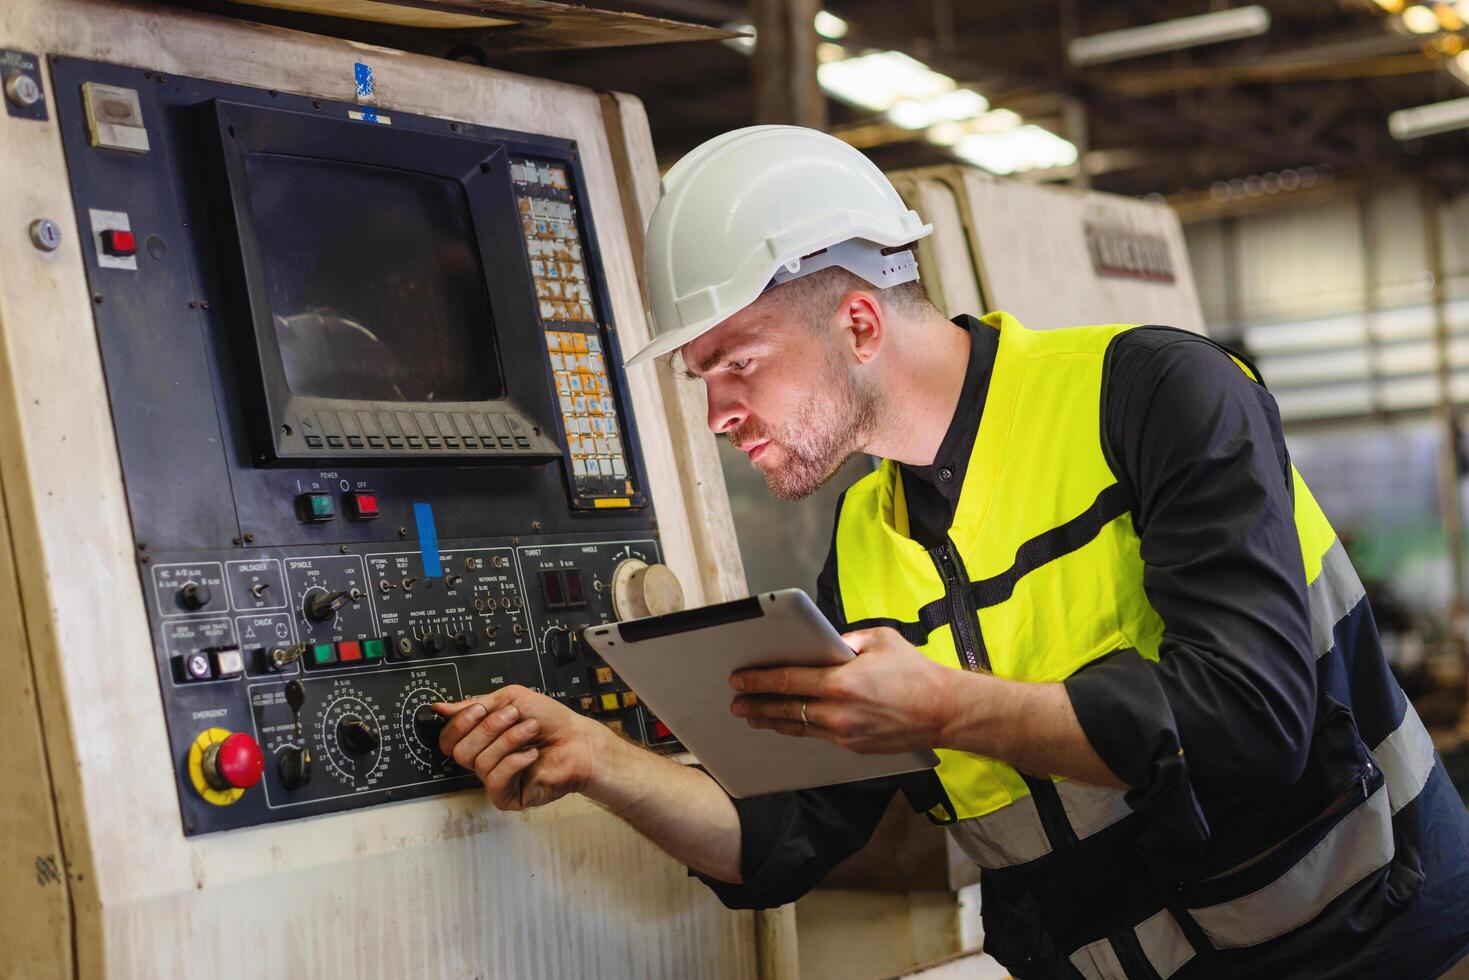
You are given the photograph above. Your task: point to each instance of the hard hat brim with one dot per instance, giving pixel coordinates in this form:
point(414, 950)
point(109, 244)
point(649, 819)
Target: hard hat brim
point(867, 270)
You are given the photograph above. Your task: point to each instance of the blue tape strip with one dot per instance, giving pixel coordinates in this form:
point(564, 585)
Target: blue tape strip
point(369, 115)
point(362, 74)
point(428, 540)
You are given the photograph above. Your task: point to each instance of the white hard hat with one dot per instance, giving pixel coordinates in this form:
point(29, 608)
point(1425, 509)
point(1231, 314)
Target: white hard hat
point(749, 208)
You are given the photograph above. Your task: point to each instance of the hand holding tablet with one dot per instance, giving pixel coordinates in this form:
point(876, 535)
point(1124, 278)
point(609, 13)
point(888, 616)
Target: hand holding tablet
point(681, 665)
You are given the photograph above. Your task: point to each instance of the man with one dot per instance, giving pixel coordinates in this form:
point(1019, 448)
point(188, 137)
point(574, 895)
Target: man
point(1086, 574)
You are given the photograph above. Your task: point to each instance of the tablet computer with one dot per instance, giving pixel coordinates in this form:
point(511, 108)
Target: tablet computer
point(679, 665)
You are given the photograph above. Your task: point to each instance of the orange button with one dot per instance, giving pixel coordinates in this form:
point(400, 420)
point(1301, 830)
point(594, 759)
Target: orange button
point(629, 699)
point(603, 675)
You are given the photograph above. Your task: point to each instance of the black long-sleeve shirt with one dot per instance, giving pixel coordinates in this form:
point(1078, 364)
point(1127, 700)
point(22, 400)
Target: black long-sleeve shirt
point(1199, 446)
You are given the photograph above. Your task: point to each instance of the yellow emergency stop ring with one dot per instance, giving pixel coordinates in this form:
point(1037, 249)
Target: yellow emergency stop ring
point(206, 738)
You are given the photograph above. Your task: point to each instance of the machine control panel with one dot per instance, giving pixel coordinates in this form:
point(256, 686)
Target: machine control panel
point(361, 479)
point(334, 686)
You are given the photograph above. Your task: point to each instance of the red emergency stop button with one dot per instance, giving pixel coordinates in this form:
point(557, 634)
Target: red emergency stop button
point(120, 242)
point(235, 763)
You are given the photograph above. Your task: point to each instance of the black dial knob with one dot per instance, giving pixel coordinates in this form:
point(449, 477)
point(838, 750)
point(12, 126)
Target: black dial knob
point(562, 644)
point(465, 641)
point(357, 736)
point(435, 644)
point(322, 606)
point(294, 764)
point(428, 725)
point(194, 596)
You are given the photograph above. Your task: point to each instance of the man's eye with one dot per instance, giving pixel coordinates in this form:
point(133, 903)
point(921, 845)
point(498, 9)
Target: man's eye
point(739, 365)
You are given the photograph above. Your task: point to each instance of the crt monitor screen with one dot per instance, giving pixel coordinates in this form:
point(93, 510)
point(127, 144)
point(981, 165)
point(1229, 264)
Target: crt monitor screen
point(374, 280)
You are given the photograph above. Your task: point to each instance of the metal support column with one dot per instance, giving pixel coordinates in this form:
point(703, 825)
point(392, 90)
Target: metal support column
point(786, 89)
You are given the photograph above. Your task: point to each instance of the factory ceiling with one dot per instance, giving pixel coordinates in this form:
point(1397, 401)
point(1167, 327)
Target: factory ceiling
point(1300, 98)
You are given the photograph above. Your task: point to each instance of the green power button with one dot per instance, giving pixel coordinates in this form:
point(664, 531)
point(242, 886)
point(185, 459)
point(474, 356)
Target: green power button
point(317, 507)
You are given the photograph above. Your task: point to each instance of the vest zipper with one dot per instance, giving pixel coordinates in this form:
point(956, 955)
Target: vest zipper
point(962, 614)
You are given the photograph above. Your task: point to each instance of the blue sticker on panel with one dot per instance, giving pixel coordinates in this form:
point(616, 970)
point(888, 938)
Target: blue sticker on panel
point(362, 74)
point(428, 540)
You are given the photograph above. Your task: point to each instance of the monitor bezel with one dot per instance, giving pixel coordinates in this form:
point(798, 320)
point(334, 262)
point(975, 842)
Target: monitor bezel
point(482, 168)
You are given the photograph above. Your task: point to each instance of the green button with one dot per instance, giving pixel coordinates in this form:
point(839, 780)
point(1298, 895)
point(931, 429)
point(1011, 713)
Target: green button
point(372, 649)
point(323, 653)
point(321, 505)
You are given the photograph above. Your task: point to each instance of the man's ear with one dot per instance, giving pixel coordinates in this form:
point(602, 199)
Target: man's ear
point(861, 324)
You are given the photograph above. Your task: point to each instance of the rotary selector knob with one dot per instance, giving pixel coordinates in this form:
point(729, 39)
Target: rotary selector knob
point(465, 641)
point(195, 596)
point(294, 764)
point(357, 736)
point(234, 763)
point(435, 644)
point(561, 644)
point(428, 725)
point(640, 589)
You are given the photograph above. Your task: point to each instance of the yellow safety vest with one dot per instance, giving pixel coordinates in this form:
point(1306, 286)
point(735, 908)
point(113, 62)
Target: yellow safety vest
point(1042, 529)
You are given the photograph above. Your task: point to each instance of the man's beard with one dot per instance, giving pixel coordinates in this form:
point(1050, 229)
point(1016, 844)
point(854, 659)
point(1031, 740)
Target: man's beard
point(831, 428)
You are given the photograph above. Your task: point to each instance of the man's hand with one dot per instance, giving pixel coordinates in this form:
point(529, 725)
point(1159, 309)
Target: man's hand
point(526, 748)
point(530, 750)
point(891, 698)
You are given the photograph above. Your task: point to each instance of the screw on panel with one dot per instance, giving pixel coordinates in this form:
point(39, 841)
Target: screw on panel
point(249, 536)
point(193, 305)
point(204, 304)
point(402, 532)
point(535, 525)
point(344, 550)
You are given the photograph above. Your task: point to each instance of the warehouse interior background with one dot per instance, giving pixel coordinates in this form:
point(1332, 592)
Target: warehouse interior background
point(1329, 237)
point(1317, 155)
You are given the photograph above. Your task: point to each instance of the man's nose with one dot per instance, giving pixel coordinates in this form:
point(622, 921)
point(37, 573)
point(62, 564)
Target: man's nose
point(725, 412)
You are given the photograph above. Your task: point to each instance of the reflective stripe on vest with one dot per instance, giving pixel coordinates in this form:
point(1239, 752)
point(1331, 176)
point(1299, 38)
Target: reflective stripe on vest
point(1161, 940)
point(1014, 834)
point(1336, 592)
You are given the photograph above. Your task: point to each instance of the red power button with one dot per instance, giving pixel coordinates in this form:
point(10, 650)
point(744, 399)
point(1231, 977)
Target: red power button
point(116, 241)
point(237, 763)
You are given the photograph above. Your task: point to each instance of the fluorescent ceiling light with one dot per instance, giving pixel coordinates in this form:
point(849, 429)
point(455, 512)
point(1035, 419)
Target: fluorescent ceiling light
point(744, 45)
point(830, 25)
point(955, 106)
point(880, 80)
point(1427, 120)
point(1421, 20)
point(1170, 35)
point(1027, 147)
point(1459, 67)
